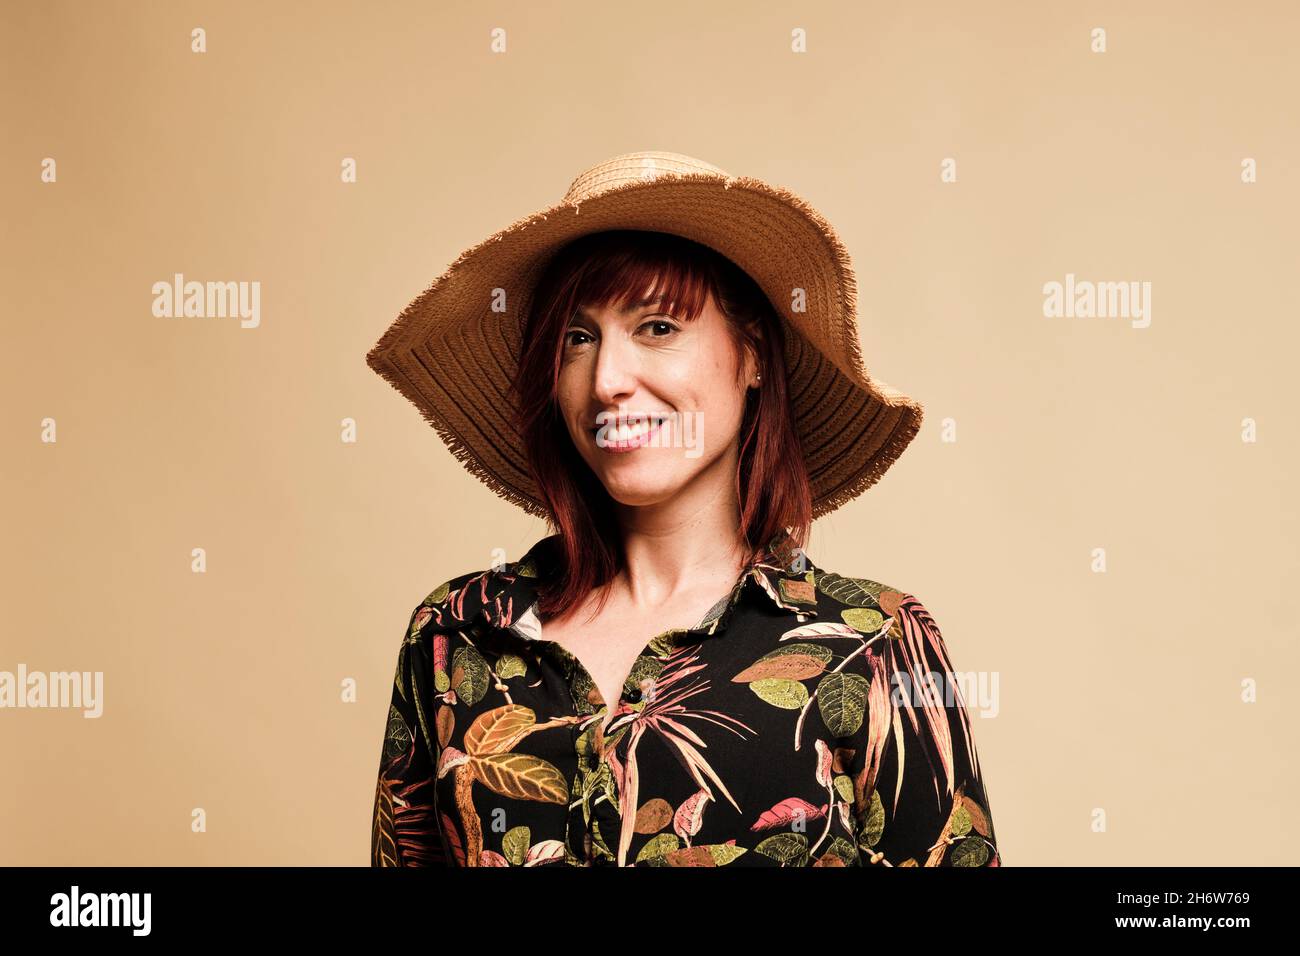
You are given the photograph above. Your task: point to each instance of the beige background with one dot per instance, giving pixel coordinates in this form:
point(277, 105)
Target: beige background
point(1118, 691)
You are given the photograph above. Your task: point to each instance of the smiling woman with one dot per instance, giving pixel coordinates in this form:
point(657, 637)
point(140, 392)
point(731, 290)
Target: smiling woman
point(667, 679)
point(626, 316)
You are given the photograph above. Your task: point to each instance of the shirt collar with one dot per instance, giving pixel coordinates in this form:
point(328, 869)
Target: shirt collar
point(507, 596)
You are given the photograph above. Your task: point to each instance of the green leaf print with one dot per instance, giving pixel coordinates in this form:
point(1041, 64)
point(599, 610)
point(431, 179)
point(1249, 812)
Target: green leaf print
point(866, 620)
point(843, 849)
point(515, 844)
point(724, 853)
point(843, 784)
point(511, 665)
point(842, 700)
point(398, 738)
point(971, 851)
point(870, 833)
point(658, 846)
point(473, 682)
point(856, 592)
point(599, 843)
point(664, 644)
point(585, 745)
point(583, 689)
point(438, 594)
point(786, 694)
point(788, 849)
point(644, 667)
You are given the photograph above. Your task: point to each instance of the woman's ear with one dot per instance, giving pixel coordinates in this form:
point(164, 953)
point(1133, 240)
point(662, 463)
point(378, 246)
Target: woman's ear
point(748, 366)
point(755, 350)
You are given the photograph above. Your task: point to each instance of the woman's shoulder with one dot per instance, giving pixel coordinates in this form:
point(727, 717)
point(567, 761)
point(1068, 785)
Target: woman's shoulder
point(858, 591)
point(460, 599)
point(447, 589)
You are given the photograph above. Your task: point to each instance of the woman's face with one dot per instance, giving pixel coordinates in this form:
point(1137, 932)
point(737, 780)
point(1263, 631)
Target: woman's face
point(618, 366)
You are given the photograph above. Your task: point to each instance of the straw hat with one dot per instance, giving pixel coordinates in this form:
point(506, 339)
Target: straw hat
point(454, 358)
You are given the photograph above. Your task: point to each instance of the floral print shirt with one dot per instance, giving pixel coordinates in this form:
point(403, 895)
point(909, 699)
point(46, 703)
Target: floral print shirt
point(810, 720)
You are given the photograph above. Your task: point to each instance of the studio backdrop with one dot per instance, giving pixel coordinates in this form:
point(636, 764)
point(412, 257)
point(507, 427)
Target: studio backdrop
point(1073, 227)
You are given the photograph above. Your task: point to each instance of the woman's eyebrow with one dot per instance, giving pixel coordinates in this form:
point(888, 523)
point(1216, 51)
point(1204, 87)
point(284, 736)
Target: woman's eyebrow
point(630, 307)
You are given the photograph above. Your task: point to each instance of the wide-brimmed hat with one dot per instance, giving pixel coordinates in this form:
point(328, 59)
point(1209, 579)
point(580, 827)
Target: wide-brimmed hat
point(454, 357)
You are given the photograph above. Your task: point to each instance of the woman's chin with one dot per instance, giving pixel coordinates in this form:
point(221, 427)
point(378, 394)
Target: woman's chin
point(636, 494)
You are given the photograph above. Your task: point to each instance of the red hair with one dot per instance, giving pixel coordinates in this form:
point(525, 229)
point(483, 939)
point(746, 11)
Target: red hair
point(612, 269)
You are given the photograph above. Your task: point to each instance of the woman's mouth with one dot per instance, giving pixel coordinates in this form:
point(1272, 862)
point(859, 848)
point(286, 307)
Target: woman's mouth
point(622, 438)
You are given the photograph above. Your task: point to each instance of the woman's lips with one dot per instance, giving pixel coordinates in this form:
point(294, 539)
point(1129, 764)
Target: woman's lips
point(616, 446)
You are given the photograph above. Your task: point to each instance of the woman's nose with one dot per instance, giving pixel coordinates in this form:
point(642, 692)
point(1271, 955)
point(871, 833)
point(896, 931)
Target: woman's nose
point(615, 372)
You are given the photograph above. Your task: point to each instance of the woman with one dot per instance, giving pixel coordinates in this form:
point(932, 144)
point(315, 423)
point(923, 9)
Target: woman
point(665, 367)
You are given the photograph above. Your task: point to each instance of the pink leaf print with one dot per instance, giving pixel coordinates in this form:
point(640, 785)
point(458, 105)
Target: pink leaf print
point(921, 637)
point(690, 815)
point(879, 715)
point(506, 616)
point(544, 852)
point(787, 811)
point(824, 758)
point(822, 629)
point(492, 858)
point(450, 759)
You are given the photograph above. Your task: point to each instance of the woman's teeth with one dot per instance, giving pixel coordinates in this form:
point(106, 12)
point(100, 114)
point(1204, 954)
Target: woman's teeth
point(628, 432)
point(624, 433)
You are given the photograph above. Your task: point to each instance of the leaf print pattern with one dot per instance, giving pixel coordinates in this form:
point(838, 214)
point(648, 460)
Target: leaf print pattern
point(936, 813)
point(772, 734)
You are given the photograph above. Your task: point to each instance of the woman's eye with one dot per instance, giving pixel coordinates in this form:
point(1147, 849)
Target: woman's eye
point(568, 336)
point(665, 324)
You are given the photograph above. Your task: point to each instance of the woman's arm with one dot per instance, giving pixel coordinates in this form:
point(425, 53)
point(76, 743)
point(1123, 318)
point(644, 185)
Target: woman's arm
point(405, 830)
point(919, 793)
